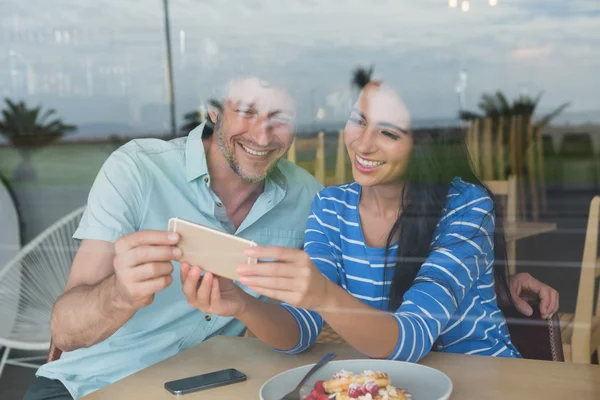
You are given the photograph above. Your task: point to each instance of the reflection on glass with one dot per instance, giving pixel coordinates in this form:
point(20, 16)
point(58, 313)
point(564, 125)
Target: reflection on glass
point(465, 6)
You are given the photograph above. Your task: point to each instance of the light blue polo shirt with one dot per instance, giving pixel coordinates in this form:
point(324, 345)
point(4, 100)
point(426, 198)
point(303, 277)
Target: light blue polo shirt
point(141, 186)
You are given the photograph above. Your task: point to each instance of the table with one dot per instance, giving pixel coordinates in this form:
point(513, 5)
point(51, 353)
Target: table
point(473, 377)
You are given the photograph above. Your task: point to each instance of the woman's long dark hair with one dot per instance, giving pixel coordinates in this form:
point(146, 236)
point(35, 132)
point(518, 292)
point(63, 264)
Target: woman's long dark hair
point(438, 156)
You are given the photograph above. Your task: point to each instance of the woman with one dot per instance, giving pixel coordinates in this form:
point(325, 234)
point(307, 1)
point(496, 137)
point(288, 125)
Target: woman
point(402, 259)
point(417, 197)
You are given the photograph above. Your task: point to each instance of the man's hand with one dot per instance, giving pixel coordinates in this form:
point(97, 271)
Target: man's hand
point(143, 266)
point(211, 294)
point(523, 284)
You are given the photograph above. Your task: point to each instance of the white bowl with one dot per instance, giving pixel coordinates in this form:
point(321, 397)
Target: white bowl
point(423, 383)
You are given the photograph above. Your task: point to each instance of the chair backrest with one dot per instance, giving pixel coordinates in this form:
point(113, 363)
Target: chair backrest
point(534, 337)
point(308, 144)
point(590, 271)
point(10, 230)
point(10, 244)
point(508, 190)
point(340, 161)
point(33, 280)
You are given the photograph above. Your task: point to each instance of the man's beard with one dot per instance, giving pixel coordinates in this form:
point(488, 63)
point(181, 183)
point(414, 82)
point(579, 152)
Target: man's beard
point(229, 153)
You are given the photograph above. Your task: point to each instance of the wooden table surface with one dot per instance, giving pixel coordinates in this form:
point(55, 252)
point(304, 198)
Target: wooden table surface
point(473, 377)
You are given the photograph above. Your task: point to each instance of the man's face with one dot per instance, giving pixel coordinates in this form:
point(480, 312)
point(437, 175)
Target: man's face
point(254, 128)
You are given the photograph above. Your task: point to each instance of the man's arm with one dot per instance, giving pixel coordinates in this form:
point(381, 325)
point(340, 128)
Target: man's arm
point(524, 284)
point(108, 283)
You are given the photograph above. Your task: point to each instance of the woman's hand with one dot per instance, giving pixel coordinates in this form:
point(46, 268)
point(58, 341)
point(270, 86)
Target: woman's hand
point(211, 294)
point(292, 278)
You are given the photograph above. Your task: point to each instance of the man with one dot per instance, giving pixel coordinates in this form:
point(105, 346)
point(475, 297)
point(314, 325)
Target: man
point(123, 308)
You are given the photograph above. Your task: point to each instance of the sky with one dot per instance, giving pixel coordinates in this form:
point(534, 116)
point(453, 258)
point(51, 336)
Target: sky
point(311, 46)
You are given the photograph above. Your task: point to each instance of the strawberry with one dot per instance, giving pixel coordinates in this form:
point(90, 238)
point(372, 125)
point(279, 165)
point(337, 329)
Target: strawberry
point(314, 395)
point(322, 396)
point(355, 391)
point(319, 387)
point(371, 387)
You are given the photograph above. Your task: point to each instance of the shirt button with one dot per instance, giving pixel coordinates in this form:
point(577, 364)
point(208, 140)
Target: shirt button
point(206, 179)
point(208, 318)
point(219, 205)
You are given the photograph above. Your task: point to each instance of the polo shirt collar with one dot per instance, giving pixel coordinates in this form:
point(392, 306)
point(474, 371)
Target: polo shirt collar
point(195, 156)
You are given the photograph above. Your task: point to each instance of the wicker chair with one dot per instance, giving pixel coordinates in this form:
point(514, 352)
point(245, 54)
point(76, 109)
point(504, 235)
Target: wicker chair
point(328, 335)
point(30, 284)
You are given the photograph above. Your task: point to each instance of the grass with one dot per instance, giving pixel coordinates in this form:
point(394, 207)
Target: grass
point(72, 164)
point(79, 163)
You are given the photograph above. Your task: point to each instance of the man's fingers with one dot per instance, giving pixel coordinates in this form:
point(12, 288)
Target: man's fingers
point(145, 238)
point(278, 253)
point(184, 270)
point(146, 254)
point(148, 271)
point(190, 286)
point(549, 302)
point(150, 287)
point(204, 291)
point(523, 307)
point(545, 301)
point(215, 296)
point(556, 303)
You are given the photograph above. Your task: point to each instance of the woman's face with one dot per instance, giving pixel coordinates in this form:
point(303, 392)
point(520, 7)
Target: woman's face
point(378, 137)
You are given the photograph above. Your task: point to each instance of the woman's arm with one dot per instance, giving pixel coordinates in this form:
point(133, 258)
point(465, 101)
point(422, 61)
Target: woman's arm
point(319, 253)
point(460, 254)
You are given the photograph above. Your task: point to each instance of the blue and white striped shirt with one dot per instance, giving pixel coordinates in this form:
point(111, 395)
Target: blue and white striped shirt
point(452, 298)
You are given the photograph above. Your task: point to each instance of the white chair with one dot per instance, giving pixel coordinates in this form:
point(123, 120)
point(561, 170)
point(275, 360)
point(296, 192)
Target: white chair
point(30, 284)
point(10, 244)
point(10, 232)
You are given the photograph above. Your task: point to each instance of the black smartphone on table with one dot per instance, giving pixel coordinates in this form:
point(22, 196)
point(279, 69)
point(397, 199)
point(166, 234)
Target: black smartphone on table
point(205, 381)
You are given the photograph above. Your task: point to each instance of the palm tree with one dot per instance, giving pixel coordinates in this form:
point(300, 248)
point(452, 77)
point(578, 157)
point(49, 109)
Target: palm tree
point(29, 130)
point(496, 105)
point(361, 77)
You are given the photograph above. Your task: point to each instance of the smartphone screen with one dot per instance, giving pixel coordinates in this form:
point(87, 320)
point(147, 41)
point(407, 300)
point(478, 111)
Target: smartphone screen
point(205, 381)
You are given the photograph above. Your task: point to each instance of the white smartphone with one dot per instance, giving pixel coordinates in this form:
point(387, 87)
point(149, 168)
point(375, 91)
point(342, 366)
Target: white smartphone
point(212, 250)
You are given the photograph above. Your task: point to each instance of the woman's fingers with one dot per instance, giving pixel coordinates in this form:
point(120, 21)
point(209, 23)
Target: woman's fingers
point(278, 253)
point(272, 269)
point(286, 297)
point(275, 283)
